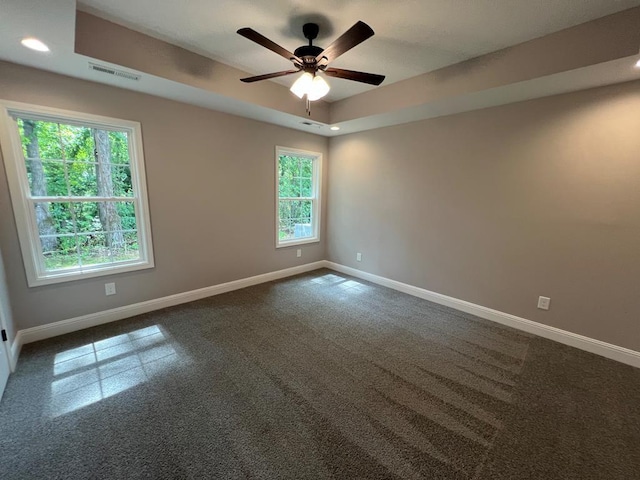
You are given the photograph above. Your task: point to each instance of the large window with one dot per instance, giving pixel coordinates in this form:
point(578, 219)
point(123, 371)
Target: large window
point(298, 196)
point(78, 191)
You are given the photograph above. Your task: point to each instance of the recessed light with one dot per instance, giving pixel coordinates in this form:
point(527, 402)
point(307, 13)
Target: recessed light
point(638, 64)
point(335, 128)
point(34, 44)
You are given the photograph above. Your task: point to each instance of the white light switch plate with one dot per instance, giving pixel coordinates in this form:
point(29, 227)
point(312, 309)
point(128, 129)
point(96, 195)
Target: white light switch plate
point(543, 303)
point(109, 288)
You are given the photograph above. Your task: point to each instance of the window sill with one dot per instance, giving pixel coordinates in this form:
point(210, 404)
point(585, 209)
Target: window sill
point(98, 272)
point(293, 243)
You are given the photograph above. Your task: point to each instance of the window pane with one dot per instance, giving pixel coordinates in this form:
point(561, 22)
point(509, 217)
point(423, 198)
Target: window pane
point(302, 228)
point(101, 248)
point(295, 208)
point(46, 178)
point(295, 177)
point(306, 187)
point(119, 145)
point(87, 217)
point(301, 209)
point(295, 219)
point(295, 228)
point(91, 242)
point(121, 175)
point(284, 209)
point(127, 214)
point(59, 252)
point(93, 249)
point(285, 230)
point(306, 168)
point(88, 161)
point(53, 218)
point(289, 168)
point(56, 232)
point(40, 139)
point(128, 249)
point(82, 179)
point(104, 216)
point(79, 144)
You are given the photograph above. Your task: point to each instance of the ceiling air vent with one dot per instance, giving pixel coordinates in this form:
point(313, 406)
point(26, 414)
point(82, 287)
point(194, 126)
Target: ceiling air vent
point(113, 71)
point(312, 124)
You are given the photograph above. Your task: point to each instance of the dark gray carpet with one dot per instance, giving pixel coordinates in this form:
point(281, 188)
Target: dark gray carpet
point(316, 376)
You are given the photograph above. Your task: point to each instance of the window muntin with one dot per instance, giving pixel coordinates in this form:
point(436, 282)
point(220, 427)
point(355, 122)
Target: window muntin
point(297, 193)
point(77, 185)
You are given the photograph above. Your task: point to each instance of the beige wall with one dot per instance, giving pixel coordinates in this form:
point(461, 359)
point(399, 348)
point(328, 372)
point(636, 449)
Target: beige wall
point(502, 205)
point(211, 182)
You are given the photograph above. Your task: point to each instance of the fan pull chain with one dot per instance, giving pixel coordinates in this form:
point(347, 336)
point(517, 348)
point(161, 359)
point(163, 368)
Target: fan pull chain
point(308, 108)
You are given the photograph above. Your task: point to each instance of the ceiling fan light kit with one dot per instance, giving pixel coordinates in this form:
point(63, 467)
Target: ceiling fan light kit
point(313, 86)
point(302, 85)
point(311, 60)
point(319, 88)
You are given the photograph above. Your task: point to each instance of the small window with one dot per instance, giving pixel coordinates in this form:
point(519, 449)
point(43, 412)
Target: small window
point(78, 192)
point(298, 196)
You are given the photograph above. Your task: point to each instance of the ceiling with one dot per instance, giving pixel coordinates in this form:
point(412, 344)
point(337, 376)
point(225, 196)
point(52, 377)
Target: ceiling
point(414, 40)
point(412, 36)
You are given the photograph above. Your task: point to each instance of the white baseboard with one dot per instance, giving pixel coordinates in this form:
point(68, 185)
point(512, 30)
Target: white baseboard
point(34, 334)
point(614, 352)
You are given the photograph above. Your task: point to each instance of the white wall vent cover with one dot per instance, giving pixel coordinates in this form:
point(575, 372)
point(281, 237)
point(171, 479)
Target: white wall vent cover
point(113, 71)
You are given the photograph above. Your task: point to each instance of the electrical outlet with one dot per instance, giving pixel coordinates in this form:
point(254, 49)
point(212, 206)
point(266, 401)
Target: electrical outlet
point(543, 303)
point(299, 253)
point(358, 257)
point(109, 288)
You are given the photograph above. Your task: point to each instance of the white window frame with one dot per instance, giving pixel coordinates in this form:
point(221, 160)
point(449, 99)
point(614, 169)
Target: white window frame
point(316, 202)
point(21, 198)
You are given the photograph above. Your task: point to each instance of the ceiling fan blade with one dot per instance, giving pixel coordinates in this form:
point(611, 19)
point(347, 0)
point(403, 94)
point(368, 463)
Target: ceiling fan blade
point(260, 39)
point(349, 39)
point(370, 78)
point(266, 76)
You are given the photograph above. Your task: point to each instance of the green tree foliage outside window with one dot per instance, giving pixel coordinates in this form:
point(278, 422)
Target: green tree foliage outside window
point(84, 174)
point(296, 197)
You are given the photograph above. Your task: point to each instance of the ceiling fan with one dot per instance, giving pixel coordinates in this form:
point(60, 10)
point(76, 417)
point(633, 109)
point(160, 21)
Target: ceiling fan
point(311, 59)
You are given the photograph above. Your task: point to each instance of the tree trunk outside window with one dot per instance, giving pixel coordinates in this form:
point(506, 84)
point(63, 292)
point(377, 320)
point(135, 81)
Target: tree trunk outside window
point(109, 217)
point(39, 187)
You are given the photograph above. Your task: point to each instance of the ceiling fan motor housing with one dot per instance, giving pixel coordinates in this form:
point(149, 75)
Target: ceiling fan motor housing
point(308, 53)
point(311, 51)
point(310, 31)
